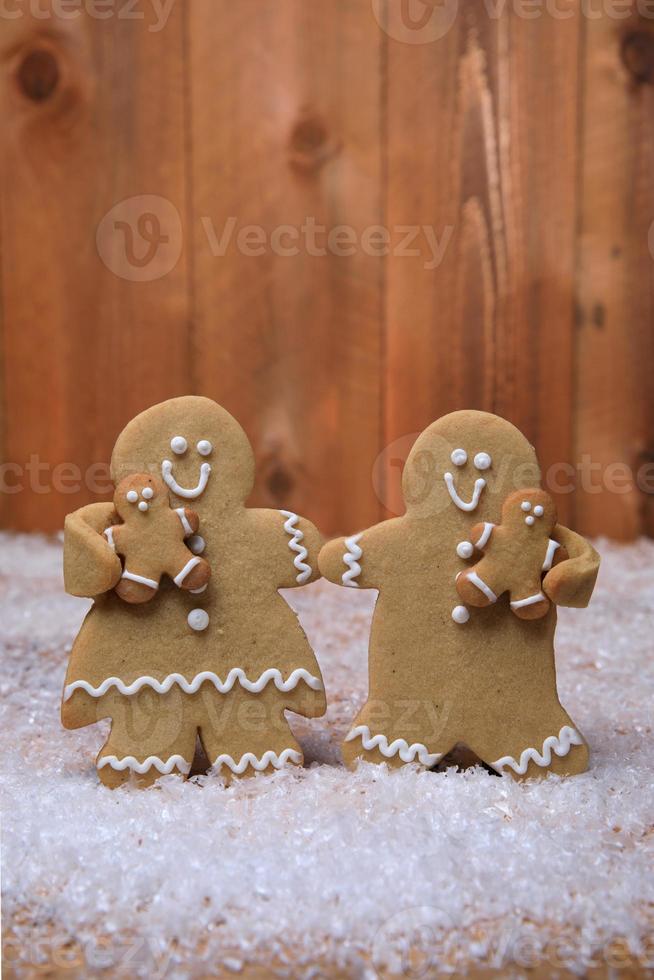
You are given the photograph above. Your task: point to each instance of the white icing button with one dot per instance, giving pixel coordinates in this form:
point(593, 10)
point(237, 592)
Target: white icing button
point(538, 510)
point(179, 445)
point(198, 619)
point(482, 461)
point(204, 447)
point(143, 506)
point(460, 614)
point(529, 520)
point(464, 549)
point(148, 493)
point(197, 544)
point(525, 505)
point(132, 496)
point(459, 457)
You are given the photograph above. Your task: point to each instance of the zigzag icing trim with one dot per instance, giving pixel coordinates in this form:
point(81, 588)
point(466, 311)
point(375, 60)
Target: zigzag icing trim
point(294, 544)
point(351, 559)
point(236, 674)
point(268, 758)
point(400, 746)
point(131, 763)
point(559, 744)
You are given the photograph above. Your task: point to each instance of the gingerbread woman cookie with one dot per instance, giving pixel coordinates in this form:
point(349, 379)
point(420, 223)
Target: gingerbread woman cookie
point(151, 540)
point(442, 672)
point(223, 666)
point(517, 553)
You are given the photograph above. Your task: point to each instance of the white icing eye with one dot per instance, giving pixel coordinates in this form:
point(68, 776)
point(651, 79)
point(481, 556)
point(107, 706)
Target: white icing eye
point(148, 493)
point(525, 505)
point(459, 457)
point(460, 615)
point(132, 496)
point(482, 461)
point(464, 549)
point(204, 447)
point(143, 506)
point(538, 510)
point(179, 445)
point(529, 520)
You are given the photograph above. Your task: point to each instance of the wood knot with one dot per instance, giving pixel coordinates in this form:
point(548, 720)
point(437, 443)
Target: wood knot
point(38, 74)
point(310, 145)
point(638, 56)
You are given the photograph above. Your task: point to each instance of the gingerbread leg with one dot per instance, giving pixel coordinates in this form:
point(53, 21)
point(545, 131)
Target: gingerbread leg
point(244, 733)
point(530, 603)
point(524, 751)
point(474, 588)
point(193, 575)
point(136, 588)
point(151, 736)
point(400, 738)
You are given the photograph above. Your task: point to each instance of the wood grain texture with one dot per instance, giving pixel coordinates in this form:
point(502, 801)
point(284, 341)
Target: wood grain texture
point(507, 161)
point(614, 410)
point(491, 327)
point(93, 114)
point(286, 130)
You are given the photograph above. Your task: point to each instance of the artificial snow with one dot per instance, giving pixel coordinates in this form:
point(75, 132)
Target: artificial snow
point(375, 872)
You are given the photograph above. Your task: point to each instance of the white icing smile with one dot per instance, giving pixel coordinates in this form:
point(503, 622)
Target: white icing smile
point(480, 483)
point(193, 492)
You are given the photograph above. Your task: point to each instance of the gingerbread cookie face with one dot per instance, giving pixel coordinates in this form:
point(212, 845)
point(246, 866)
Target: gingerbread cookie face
point(447, 668)
point(516, 555)
point(222, 662)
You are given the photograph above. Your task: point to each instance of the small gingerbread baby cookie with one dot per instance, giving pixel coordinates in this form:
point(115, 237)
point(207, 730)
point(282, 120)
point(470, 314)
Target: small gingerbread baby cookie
point(151, 540)
point(516, 552)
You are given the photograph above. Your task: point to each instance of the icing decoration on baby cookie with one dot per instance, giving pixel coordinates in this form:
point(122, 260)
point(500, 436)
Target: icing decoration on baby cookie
point(482, 461)
point(351, 559)
point(236, 676)
point(460, 615)
point(198, 620)
point(559, 744)
point(399, 746)
point(204, 447)
point(552, 545)
point(480, 483)
point(189, 493)
point(290, 526)
point(269, 758)
point(459, 457)
point(188, 530)
point(464, 549)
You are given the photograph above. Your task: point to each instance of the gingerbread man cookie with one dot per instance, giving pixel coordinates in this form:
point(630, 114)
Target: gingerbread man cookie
point(221, 667)
point(517, 553)
point(151, 540)
point(442, 672)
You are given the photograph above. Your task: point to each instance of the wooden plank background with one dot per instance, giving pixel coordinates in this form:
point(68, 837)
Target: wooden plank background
point(486, 171)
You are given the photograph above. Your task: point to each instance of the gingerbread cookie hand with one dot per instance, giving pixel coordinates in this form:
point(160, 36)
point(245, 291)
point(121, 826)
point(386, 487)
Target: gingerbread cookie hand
point(150, 540)
point(91, 567)
point(516, 553)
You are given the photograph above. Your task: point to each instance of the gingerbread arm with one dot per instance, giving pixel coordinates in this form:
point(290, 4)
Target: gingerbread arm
point(91, 566)
point(571, 582)
point(189, 520)
point(303, 542)
point(358, 561)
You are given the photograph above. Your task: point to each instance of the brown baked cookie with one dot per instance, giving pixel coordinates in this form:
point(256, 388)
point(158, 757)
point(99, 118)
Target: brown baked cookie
point(517, 553)
point(223, 666)
point(150, 540)
point(442, 672)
